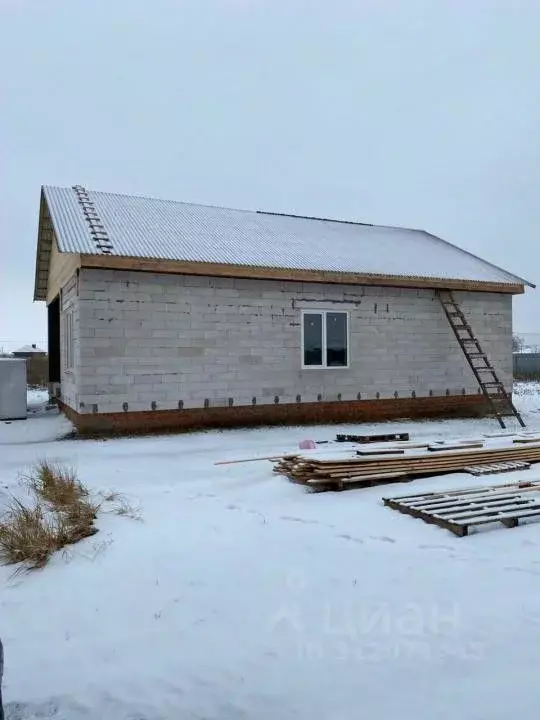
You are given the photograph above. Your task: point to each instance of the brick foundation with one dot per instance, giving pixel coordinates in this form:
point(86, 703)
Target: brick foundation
point(290, 414)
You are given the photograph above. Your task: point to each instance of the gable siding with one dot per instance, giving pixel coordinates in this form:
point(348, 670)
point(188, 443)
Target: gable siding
point(151, 338)
point(62, 266)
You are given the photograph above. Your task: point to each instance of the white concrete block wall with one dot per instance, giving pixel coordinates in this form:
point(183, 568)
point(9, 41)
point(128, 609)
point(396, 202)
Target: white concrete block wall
point(154, 338)
point(70, 377)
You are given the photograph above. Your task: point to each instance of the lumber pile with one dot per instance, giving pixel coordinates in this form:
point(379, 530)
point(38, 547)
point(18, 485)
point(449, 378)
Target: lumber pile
point(357, 470)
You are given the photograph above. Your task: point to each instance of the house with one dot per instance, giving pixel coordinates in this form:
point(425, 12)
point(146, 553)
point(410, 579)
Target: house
point(29, 351)
point(166, 314)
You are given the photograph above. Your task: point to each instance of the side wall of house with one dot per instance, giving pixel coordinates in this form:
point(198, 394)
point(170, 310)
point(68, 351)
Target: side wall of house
point(155, 340)
point(70, 376)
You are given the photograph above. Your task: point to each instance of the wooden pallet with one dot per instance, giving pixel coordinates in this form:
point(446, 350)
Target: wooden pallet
point(367, 469)
point(496, 468)
point(461, 510)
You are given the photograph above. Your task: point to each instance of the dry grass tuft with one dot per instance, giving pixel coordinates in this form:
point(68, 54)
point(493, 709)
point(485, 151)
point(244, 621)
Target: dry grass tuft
point(27, 535)
point(62, 513)
point(76, 522)
point(118, 504)
point(121, 506)
point(56, 484)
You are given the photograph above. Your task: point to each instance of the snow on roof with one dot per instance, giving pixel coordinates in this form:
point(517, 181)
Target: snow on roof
point(30, 349)
point(163, 229)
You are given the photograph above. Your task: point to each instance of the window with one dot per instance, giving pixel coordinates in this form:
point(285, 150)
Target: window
point(325, 339)
point(68, 341)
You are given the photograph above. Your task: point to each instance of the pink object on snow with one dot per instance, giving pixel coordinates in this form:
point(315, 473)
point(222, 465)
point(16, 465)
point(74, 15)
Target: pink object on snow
point(307, 445)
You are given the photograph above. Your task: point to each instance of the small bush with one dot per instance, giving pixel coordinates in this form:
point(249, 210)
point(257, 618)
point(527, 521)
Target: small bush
point(27, 535)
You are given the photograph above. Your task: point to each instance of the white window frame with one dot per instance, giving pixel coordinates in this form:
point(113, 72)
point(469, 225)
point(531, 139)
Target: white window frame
point(324, 312)
point(69, 344)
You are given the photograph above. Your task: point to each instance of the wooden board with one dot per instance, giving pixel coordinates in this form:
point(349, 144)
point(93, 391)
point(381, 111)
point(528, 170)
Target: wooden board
point(387, 437)
point(364, 479)
point(186, 267)
point(456, 446)
point(381, 451)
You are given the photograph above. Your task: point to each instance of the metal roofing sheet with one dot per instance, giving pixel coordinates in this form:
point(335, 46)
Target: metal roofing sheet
point(150, 228)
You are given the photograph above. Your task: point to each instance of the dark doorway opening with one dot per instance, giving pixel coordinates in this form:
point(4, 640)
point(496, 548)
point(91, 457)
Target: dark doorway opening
point(54, 340)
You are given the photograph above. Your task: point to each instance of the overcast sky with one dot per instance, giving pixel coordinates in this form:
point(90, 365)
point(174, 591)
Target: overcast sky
point(424, 113)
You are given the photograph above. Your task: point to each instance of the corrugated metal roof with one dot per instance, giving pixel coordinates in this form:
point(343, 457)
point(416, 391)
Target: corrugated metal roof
point(164, 229)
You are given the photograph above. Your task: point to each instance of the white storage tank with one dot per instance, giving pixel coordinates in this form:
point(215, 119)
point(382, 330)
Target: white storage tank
point(12, 389)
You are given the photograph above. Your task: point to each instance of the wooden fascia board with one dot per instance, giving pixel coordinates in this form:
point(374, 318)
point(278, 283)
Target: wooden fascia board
point(178, 267)
point(43, 252)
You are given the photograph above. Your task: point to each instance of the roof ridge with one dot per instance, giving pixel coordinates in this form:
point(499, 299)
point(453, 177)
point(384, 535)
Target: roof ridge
point(313, 217)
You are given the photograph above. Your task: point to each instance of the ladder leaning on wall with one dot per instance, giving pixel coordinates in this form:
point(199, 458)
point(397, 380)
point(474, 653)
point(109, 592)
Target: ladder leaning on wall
point(493, 389)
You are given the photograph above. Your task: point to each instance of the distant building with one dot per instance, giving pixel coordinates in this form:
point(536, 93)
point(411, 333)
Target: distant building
point(29, 351)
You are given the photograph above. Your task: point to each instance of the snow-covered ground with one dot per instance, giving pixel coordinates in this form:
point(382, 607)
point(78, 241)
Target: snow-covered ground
point(241, 596)
point(36, 398)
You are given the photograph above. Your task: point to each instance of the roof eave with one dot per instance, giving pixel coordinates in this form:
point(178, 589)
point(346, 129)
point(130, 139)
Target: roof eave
point(118, 262)
point(518, 279)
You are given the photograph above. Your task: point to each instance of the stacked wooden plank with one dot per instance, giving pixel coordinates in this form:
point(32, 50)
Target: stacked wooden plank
point(328, 473)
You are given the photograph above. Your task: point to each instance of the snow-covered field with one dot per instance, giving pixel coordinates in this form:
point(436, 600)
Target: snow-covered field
point(241, 596)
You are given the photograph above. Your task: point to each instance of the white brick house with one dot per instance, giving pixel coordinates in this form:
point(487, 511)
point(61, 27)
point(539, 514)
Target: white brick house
point(165, 314)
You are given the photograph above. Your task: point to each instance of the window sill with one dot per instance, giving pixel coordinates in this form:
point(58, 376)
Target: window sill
point(326, 367)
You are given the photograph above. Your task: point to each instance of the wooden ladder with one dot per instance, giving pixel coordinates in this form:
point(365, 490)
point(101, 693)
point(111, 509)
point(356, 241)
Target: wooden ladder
point(488, 380)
